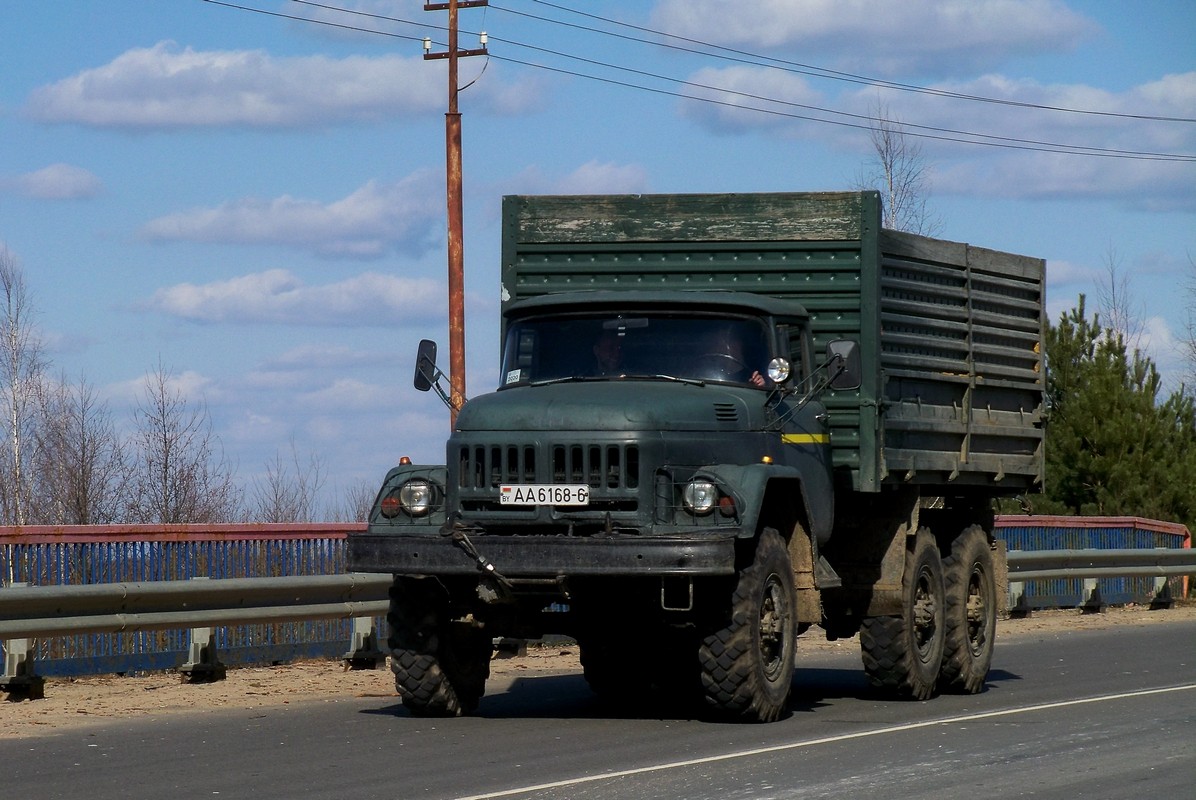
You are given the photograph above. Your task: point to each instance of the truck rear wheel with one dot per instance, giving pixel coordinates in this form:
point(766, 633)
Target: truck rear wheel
point(747, 666)
point(904, 654)
point(440, 666)
point(971, 612)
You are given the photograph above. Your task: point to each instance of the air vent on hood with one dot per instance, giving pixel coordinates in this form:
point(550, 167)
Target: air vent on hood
point(726, 412)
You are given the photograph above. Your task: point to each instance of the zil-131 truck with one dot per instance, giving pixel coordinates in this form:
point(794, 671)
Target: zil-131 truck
point(723, 419)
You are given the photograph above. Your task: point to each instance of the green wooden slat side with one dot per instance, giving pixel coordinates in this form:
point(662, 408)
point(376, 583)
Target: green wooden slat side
point(962, 326)
point(962, 353)
point(671, 218)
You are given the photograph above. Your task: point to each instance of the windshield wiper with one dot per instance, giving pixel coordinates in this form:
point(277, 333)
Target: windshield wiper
point(568, 379)
point(630, 376)
point(674, 378)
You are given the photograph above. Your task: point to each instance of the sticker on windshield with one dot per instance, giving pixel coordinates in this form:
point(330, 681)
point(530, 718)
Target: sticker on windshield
point(514, 376)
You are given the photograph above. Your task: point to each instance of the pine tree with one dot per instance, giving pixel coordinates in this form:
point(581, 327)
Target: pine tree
point(1111, 448)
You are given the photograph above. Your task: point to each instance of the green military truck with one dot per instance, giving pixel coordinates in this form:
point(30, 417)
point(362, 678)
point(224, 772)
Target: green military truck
point(722, 420)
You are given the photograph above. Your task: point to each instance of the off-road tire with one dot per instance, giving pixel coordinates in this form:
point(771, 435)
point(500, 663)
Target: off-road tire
point(903, 654)
point(970, 612)
point(440, 667)
point(747, 665)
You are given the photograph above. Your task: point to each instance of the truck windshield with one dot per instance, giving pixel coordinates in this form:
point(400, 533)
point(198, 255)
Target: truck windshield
point(604, 347)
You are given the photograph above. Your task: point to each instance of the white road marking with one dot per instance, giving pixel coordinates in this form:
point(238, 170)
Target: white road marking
point(606, 776)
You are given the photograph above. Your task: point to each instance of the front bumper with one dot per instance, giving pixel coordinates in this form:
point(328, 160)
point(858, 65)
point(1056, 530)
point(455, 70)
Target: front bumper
point(544, 556)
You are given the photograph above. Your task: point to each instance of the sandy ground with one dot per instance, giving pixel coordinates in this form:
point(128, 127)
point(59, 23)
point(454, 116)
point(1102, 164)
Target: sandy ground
point(74, 703)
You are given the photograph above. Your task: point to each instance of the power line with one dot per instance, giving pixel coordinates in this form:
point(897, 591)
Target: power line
point(921, 131)
point(966, 137)
point(999, 142)
point(281, 15)
point(807, 69)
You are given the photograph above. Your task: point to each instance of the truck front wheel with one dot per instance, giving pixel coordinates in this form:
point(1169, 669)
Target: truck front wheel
point(440, 666)
point(747, 666)
point(971, 612)
point(904, 654)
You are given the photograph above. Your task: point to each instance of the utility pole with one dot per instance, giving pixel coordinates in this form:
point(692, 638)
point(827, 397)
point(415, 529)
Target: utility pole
point(456, 247)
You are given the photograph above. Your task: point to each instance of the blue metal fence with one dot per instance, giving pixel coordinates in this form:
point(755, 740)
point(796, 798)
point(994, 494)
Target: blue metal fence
point(1091, 533)
point(44, 556)
point(98, 554)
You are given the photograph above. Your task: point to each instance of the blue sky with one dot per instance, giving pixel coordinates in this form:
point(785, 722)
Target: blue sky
point(257, 203)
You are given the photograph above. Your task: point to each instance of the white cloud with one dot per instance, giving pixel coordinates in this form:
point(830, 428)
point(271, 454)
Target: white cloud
point(278, 296)
point(775, 98)
point(1138, 185)
point(56, 182)
point(1065, 273)
point(1033, 113)
point(300, 368)
point(347, 394)
point(924, 36)
point(376, 219)
point(317, 356)
point(1025, 120)
point(196, 388)
point(165, 87)
point(593, 177)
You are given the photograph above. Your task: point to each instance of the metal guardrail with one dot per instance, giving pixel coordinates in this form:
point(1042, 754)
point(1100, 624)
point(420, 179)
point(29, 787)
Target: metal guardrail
point(1091, 565)
point(27, 612)
point(1047, 564)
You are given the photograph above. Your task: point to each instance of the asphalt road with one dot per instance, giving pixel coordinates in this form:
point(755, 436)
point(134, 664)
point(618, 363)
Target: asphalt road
point(1096, 714)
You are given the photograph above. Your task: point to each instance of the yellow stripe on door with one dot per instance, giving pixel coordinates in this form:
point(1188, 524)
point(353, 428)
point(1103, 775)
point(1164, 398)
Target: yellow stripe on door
point(805, 438)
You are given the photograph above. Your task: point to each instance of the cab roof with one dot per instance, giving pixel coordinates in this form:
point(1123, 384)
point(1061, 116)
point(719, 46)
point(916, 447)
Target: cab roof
point(602, 300)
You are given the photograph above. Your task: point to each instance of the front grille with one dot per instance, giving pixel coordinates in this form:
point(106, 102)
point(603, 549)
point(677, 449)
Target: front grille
point(600, 466)
point(489, 466)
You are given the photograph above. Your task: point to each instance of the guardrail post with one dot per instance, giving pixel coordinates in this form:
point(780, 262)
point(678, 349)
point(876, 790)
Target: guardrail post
point(1019, 606)
point(1093, 602)
point(203, 659)
point(1162, 594)
point(19, 679)
point(364, 652)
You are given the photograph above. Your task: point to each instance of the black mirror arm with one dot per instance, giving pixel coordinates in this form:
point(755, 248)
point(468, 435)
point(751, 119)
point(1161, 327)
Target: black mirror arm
point(432, 374)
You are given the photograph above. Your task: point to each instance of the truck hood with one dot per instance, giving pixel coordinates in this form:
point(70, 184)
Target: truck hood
point(625, 405)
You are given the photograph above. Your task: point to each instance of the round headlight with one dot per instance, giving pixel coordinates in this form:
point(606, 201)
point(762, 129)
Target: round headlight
point(778, 370)
point(700, 496)
point(417, 496)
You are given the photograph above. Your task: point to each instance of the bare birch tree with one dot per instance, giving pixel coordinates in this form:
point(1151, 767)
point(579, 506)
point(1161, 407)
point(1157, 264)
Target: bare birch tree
point(179, 472)
point(82, 472)
point(898, 170)
point(21, 368)
point(356, 503)
point(1189, 343)
point(290, 490)
point(1116, 303)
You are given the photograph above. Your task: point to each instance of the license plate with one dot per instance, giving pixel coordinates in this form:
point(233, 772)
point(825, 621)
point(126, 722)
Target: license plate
point(544, 494)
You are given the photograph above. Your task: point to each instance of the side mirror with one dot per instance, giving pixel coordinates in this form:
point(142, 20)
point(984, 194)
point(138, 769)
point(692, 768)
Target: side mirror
point(425, 365)
point(843, 364)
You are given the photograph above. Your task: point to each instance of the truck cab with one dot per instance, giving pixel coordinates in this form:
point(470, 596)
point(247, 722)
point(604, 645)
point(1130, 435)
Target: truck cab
point(645, 438)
